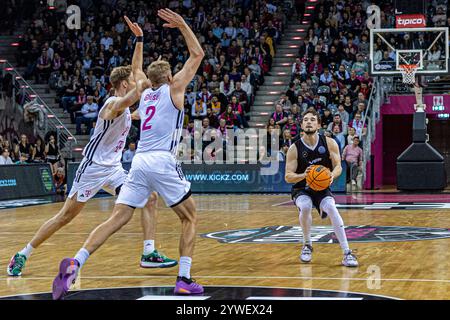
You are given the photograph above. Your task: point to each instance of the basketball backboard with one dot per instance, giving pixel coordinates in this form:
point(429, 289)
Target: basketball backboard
point(425, 47)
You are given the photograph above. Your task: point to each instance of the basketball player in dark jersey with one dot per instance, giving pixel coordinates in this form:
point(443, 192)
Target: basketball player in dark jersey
point(315, 149)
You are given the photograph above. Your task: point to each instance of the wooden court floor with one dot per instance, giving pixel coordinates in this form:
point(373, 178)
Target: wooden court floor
point(400, 269)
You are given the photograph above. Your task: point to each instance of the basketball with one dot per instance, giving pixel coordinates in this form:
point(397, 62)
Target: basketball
point(319, 178)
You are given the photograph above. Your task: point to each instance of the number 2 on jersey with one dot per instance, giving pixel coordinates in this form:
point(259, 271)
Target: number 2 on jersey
point(152, 111)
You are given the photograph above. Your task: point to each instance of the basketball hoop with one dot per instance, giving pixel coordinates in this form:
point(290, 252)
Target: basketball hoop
point(408, 72)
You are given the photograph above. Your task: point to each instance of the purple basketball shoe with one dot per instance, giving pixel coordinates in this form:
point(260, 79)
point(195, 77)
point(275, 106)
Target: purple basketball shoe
point(68, 271)
point(187, 286)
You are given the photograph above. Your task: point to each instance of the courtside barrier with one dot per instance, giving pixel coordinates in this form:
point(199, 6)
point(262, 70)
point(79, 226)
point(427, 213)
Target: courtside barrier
point(231, 178)
point(25, 181)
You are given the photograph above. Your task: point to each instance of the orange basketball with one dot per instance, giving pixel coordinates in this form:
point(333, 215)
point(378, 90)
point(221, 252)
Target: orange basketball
point(319, 178)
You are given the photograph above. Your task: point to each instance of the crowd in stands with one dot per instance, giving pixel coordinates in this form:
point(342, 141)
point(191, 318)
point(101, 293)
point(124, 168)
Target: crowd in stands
point(330, 74)
point(21, 152)
point(239, 39)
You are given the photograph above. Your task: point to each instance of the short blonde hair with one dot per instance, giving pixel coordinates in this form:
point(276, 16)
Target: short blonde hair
point(119, 74)
point(158, 71)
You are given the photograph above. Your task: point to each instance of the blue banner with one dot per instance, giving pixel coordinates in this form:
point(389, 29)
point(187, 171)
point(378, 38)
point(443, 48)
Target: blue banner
point(232, 178)
point(244, 178)
point(25, 181)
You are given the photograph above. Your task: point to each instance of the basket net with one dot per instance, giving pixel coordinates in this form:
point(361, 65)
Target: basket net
point(409, 73)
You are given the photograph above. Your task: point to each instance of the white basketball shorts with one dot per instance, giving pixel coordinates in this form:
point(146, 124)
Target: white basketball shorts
point(91, 178)
point(154, 171)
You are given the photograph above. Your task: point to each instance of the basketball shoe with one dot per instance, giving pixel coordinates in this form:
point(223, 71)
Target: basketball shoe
point(306, 254)
point(349, 259)
point(157, 260)
point(187, 286)
point(16, 265)
point(68, 271)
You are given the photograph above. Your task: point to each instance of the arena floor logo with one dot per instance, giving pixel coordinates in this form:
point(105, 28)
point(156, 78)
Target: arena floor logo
point(325, 234)
point(211, 293)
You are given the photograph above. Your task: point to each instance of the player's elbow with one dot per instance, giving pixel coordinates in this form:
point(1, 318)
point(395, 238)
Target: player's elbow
point(287, 178)
point(198, 54)
point(201, 53)
point(120, 106)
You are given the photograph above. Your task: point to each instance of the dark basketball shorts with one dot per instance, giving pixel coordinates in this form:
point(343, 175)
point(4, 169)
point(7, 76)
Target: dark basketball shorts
point(316, 197)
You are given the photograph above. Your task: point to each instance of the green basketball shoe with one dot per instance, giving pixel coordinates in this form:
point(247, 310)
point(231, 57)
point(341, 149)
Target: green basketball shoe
point(157, 260)
point(16, 265)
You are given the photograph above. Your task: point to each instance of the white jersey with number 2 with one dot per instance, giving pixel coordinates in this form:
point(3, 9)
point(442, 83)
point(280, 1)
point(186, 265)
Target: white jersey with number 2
point(161, 121)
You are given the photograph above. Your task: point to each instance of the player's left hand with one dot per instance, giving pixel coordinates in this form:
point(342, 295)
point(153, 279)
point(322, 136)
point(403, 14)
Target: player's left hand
point(174, 19)
point(332, 178)
point(134, 27)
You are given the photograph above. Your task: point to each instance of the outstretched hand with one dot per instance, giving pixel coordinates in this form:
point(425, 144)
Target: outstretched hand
point(134, 27)
point(173, 19)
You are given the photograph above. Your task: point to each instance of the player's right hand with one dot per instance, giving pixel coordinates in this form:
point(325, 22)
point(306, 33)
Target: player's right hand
point(173, 19)
point(134, 27)
point(308, 170)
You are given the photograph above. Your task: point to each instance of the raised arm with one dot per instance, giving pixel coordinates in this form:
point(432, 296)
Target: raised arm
point(196, 54)
point(138, 59)
point(114, 109)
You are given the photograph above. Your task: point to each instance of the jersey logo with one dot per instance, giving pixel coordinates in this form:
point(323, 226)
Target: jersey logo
point(152, 96)
point(315, 161)
point(322, 150)
point(305, 154)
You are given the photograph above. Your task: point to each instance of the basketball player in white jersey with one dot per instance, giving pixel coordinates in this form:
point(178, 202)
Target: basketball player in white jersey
point(154, 166)
point(101, 168)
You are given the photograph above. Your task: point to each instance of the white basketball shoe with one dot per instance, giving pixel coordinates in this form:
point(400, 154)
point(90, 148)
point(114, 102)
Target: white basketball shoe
point(306, 254)
point(349, 259)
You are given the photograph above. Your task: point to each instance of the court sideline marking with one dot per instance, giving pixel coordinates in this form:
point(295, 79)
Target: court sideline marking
point(242, 277)
point(223, 286)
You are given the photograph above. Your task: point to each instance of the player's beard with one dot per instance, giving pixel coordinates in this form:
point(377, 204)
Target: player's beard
point(310, 132)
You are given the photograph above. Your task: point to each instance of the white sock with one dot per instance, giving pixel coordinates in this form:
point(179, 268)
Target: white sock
point(304, 205)
point(82, 256)
point(185, 267)
point(329, 206)
point(27, 250)
point(149, 246)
